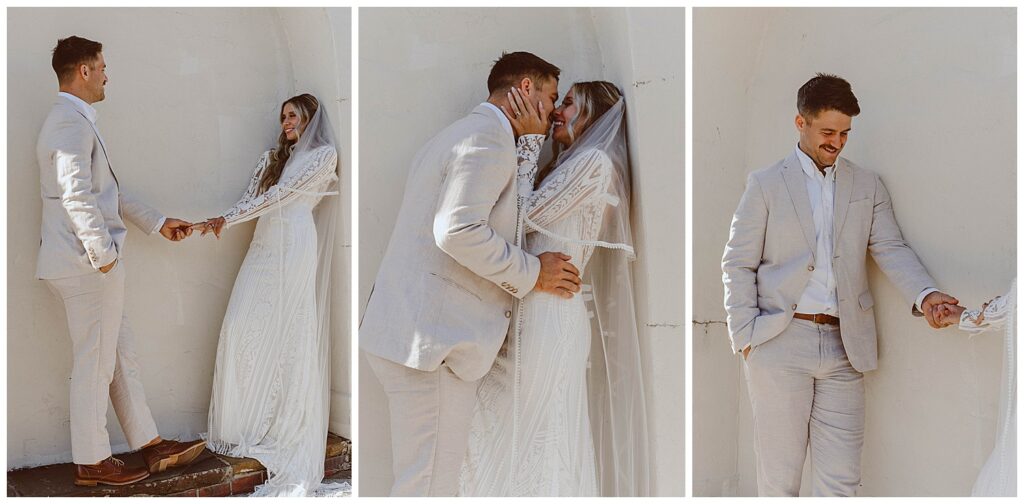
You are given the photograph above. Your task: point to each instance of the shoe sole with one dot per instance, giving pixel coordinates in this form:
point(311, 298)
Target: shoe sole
point(178, 459)
point(94, 482)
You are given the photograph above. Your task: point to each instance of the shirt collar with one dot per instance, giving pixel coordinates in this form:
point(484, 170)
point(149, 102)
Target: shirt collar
point(78, 103)
point(808, 165)
point(501, 117)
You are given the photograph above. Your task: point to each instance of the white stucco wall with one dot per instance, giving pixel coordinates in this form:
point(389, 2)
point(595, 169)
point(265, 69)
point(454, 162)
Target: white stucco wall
point(937, 94)
point(447, 54)
point(191, 103)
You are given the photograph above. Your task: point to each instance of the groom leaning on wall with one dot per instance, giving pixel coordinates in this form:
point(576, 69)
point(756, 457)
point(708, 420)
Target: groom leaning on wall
point(797, 297)
point(81, 252)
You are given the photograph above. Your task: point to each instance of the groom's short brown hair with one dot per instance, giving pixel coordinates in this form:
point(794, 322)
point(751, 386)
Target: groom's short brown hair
point(70, 53)
point(826, 92)
point(512, 67)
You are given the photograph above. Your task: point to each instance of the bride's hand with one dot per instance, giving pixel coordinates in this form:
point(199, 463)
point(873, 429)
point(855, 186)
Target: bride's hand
point(215, 225)
point(526, 118)
point(947, 314)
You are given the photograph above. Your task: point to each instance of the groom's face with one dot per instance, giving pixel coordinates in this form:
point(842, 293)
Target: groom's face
point(94, 78)
point(823, 136)
point(545, 93)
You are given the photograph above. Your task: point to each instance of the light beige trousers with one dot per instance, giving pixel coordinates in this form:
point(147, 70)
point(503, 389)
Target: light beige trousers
point(104, 365)
point(430, 416)
point(803, 391)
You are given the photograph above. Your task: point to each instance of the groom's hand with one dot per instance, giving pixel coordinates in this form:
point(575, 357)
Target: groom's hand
point(106, 269)
point(557, 275)
point(928, 307)
point(176, 229)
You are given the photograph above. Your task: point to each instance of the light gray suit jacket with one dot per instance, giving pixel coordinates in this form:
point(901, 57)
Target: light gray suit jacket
point(767, 261)
point(444, 291)
point(82, 227)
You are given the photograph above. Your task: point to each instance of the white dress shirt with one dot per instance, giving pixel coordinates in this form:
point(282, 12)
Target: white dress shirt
point(820, 294)
point(90, 113)
point(501, 116)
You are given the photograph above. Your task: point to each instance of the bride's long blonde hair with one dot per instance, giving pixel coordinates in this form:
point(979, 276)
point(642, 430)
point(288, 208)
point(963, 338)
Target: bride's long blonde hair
point(306, 104)
point(593, 99)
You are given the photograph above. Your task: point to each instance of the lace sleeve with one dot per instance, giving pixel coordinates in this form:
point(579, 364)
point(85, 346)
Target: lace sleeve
point(254, 182)
point(527, 154)
point(992, 314)
point(576, 181)
point(320, 167)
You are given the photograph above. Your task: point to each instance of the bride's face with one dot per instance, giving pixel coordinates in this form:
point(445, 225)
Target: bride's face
point(563, 114)
point(291, 122)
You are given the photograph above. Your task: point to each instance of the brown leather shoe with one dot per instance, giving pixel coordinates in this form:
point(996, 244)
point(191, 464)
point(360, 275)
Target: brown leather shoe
point(167, 454)
point(111, 471)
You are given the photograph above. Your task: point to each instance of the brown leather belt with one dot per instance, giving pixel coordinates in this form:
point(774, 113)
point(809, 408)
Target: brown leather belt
point(818, 318)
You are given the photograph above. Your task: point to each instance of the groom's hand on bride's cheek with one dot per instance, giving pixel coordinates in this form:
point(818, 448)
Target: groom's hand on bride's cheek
point(557, 275)
point(176, 229)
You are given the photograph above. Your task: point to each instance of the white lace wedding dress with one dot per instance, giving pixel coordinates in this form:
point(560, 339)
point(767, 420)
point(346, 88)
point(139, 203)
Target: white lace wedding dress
point(998, 477)
point(270, 386)
point(535, 439)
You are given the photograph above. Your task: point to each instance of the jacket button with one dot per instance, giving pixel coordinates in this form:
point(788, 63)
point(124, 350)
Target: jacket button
point(508, 314)
point(810, 268)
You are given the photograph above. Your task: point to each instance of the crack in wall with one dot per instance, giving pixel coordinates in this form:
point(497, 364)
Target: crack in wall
point(707, 324)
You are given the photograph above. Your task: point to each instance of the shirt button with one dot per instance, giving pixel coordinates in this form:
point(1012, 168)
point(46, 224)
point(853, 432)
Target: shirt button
point(794, 307)
point(508, 314)
point(810, 268)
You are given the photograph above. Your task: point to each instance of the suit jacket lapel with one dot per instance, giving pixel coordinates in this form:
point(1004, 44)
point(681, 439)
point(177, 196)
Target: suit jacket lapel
point(797, 186)
point(844, 190)
point(99, 139)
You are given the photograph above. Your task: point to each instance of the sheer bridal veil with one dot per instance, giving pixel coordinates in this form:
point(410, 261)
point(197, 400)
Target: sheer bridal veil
point(618, 410)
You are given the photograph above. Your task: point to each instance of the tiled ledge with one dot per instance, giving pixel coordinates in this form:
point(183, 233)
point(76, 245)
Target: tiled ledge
point(210, 475)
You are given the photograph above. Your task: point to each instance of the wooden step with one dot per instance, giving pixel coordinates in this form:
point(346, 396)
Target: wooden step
point(210, 475)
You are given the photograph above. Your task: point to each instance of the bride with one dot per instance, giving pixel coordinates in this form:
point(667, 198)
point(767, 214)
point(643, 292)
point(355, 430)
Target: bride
point(998, 477)
point(561, 413)
point(270, 385)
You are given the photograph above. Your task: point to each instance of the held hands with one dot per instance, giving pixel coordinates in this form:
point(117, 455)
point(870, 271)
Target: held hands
point(215, 224)
point(947, 314)
point(557, 275)
point(938, 318)
point(175, 230)
point(526, 118)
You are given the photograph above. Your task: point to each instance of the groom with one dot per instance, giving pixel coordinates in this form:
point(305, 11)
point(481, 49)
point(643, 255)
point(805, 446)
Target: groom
point(443, 298)
point(797, 297)
point(80, 257)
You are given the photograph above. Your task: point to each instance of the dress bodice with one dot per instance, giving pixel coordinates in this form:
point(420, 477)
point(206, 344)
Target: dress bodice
point(565, 211)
